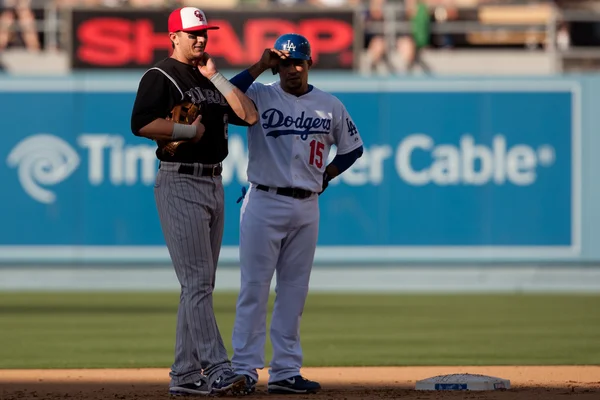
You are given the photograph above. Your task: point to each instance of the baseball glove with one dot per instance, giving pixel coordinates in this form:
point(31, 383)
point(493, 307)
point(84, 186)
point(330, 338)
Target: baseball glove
point(184, 113)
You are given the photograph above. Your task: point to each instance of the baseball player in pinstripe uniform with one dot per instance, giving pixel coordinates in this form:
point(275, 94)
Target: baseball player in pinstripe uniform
point(189, 190)
point(287, 169)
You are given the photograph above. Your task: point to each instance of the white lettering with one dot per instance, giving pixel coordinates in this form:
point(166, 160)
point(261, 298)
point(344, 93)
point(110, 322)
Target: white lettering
point(470, 163)
point(134, 155)
point(418, 161)
point(122, 160)
point(403, 159)
point(358, 173)
point(210, 96)
point(499, 145)
point(470, 154)
point(116, 160)
point(378, 155)
point(369, 168)
point(520, 165)
point(445, 170)
point(95, 145)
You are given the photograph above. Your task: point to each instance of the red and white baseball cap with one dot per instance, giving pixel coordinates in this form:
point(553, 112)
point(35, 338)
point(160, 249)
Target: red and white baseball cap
point(189, 19)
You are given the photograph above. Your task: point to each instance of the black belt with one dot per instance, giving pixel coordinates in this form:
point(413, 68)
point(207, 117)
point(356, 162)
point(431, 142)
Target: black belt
point(290, 192)
point(188, 169)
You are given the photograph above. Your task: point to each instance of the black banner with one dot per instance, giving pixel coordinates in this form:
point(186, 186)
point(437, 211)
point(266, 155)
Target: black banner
point(131, 38)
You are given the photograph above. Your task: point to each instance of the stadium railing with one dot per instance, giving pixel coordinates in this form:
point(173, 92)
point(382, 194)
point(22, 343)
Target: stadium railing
point(530, 26)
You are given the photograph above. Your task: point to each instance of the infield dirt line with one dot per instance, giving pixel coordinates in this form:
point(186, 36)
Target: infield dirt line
point(530, 376)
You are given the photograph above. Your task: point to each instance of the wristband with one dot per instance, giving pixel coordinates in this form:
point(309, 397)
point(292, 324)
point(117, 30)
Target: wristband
point(222, 84)
point(183, 131)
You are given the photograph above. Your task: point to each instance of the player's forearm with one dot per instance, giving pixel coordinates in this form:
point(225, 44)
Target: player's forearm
point(238, 101)
point(161, 129)
point(242, 106)
point(341, 162)
point(256, 69)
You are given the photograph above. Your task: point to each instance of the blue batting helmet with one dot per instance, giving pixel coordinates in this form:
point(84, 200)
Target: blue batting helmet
point(297, 45)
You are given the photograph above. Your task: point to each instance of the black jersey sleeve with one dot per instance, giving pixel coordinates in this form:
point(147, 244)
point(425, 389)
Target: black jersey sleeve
point(155, 97)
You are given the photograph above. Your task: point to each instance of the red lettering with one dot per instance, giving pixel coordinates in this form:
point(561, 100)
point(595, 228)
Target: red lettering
point(116, 42)
point(327, 36)
point(104, 41)
point(224, 43)
point(147, 42)
point(261, 34)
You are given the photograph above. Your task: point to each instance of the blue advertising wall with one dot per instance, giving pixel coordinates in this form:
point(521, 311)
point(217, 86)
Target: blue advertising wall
point(469, 169)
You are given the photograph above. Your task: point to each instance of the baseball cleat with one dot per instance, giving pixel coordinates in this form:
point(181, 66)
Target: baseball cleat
point(228, 381)
point(248, 388)
point(295, 384)
point(199, 388)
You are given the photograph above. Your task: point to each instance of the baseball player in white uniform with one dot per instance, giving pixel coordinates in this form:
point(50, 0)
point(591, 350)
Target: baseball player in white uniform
point(279, 221)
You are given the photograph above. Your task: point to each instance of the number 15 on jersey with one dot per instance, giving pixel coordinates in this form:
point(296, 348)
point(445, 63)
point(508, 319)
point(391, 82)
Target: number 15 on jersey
point(316, 153)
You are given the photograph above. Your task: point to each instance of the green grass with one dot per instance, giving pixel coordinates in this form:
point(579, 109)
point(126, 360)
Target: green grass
point(137, 330)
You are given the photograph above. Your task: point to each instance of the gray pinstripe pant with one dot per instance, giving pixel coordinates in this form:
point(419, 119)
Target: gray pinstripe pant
point(191, 213)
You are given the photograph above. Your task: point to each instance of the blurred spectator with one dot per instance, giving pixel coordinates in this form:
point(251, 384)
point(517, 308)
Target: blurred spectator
point(443, 12)
point(210, 3)
point(378, 55)
point(88, 3)
point(146, 3)
point(114, 3)
point(266, 3)
point(563, 37)
point(18, 12)
point(420, 33)
point(320, 3)
point(335, 3)
point(119, 3)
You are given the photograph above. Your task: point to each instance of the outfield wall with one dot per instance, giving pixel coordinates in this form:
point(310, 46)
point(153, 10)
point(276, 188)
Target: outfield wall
point(455, 170)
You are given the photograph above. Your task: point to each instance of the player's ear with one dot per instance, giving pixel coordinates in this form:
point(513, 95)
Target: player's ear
point(173, 37)
point(309, 62)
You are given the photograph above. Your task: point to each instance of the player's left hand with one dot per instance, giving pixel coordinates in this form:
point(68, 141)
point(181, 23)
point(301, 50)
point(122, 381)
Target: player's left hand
point(326, 179)
point(207, 66)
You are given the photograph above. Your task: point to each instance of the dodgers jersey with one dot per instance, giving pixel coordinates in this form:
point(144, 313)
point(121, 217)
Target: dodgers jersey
point(290, 144)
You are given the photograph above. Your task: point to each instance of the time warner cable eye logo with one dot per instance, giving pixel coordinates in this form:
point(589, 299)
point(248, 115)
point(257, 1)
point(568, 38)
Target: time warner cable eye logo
point(43, 160)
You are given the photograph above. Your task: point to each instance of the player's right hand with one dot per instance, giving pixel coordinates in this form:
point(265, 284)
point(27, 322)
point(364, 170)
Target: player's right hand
point(199, 129)
point(271, 58)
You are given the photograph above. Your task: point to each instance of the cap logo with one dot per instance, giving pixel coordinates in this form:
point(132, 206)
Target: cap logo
point(289, 46)
point(198, 15)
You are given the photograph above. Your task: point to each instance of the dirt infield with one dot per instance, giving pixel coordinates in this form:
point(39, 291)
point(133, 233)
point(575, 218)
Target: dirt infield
point(527, 383)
